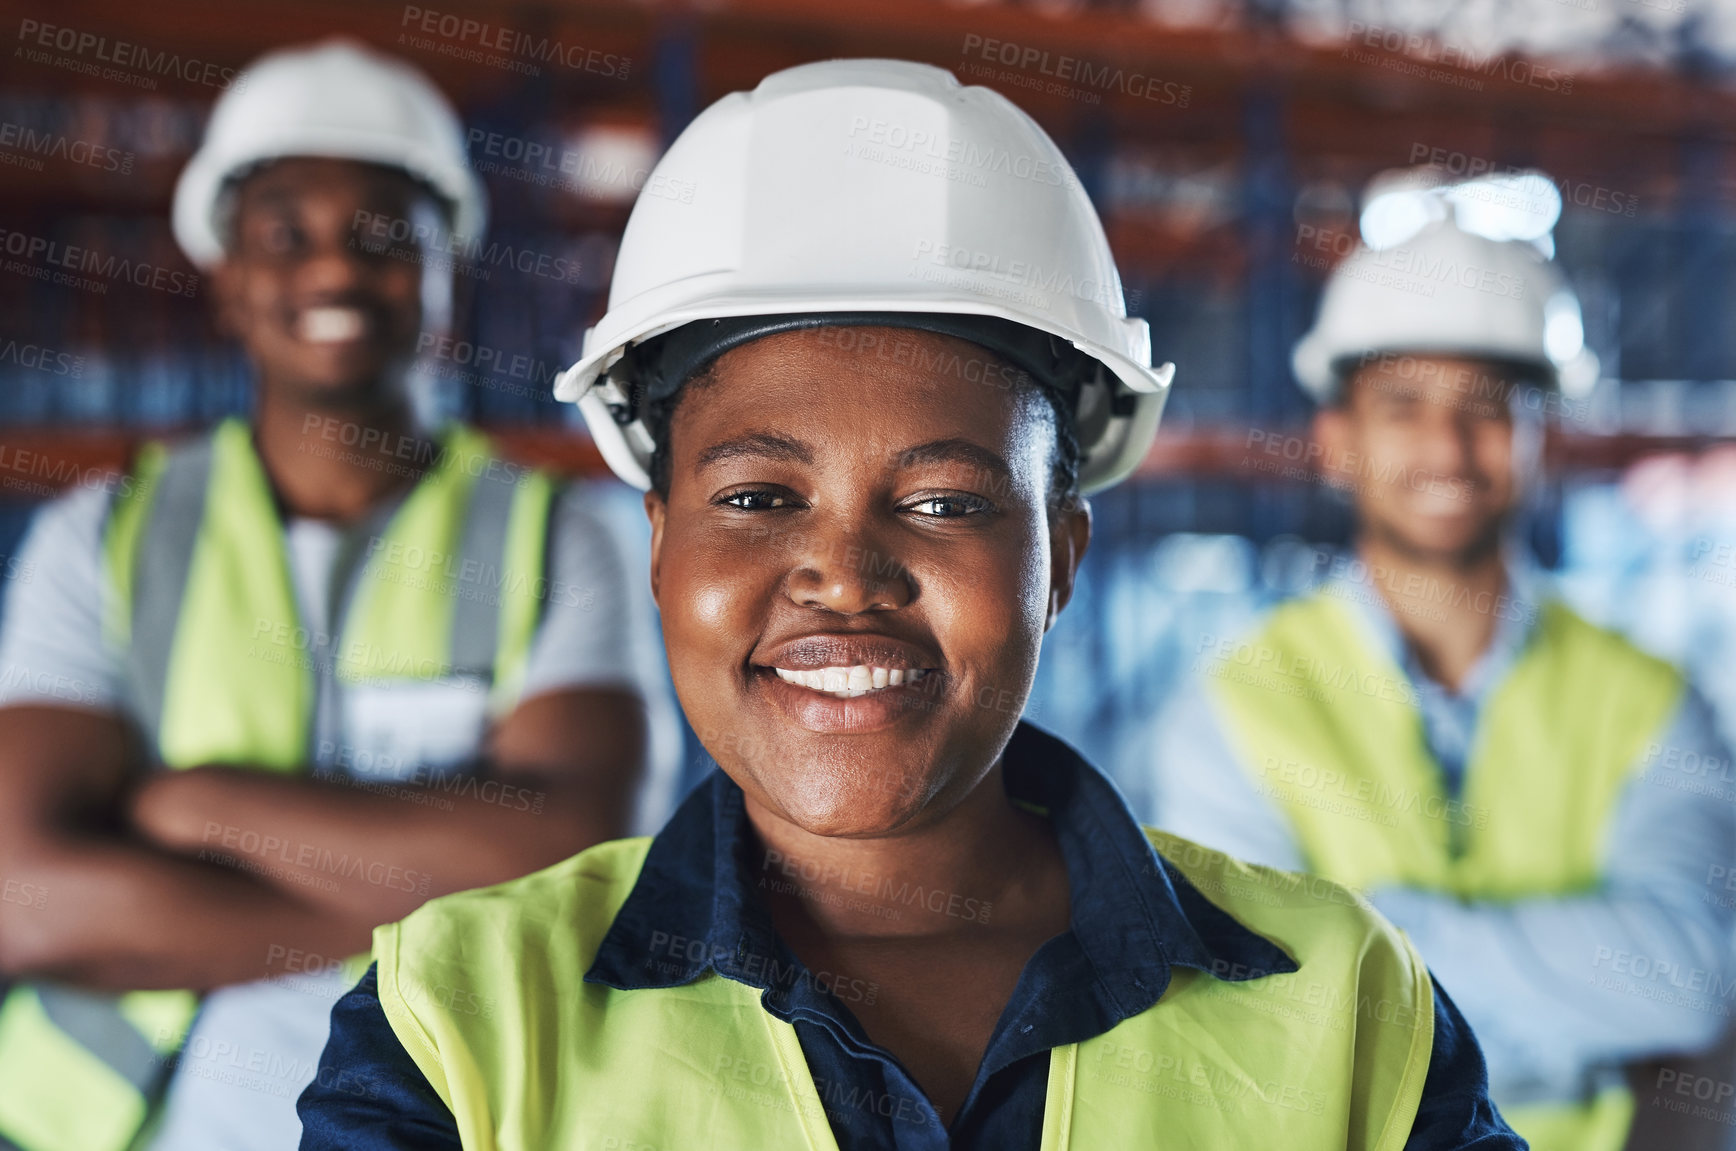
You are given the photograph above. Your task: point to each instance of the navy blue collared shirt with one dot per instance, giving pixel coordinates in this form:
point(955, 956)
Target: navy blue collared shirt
point(1134, 918)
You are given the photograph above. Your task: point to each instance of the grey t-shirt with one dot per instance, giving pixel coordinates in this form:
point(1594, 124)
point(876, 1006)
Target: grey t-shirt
point(255, 1046)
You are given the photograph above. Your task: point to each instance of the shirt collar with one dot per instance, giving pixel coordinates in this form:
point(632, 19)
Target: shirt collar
point(1134, 916)
point(1516, 619)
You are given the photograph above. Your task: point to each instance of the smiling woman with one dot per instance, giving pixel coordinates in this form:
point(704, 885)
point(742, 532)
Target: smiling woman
point(886, 518)
point(897, 916)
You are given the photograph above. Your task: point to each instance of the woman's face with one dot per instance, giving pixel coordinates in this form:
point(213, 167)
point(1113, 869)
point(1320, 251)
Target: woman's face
point(846, 506)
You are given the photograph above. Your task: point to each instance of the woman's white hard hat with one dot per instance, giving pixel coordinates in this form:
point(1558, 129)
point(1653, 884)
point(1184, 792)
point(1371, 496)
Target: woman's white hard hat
point(870, 187)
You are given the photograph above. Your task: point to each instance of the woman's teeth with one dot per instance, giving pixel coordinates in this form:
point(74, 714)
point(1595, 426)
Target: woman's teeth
point(849, 682)
point(330, 325)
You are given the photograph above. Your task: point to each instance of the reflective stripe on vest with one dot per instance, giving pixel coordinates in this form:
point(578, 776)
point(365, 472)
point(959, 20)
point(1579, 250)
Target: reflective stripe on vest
point(200, 597)
point(118, 1051)
point(1328, 728)
point(451, 584)
point(485, 991)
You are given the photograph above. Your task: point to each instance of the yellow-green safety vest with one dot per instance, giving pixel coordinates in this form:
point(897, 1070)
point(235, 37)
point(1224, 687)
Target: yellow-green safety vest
point(1328, 729)
point(485, 989)
point(220, 667)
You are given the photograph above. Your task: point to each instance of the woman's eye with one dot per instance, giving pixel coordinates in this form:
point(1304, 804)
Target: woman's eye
point(756, 500)
point(950, 507)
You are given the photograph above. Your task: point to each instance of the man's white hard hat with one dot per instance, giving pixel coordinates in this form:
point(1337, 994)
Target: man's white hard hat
point(1445, 291)
point(871, 188)
point(335, 99)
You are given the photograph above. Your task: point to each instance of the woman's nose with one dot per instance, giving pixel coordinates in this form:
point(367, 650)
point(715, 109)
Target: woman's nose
point(848, 572)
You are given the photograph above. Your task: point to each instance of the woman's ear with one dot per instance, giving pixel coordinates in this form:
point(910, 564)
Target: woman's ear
point(1069, 536)
point(655, 510)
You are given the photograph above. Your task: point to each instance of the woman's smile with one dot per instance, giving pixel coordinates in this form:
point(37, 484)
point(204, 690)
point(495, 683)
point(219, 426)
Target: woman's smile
point(847, 682)
point(850, 708)
point(853, 553)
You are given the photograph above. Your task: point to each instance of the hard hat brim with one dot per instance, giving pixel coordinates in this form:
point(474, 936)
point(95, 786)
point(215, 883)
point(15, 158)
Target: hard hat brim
point(1107, 461)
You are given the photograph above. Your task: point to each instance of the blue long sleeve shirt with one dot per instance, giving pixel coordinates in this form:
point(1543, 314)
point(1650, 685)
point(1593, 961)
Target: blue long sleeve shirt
point(1562, 990)
point(369, 1095)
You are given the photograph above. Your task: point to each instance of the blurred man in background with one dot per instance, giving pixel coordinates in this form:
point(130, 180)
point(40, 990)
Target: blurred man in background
point(1510, 784)
point(379, 662)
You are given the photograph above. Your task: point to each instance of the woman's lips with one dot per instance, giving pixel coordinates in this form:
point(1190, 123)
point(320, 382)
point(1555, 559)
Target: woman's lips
point(849, 682)
point(849, 709)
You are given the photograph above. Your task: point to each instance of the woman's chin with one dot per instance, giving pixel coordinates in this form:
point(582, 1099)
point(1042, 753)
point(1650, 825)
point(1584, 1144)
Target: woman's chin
point(860, 809)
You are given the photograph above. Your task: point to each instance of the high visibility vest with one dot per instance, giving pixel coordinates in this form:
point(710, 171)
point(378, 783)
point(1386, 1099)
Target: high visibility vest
point(218, 661)
point(485, 991)
point(1328, 728)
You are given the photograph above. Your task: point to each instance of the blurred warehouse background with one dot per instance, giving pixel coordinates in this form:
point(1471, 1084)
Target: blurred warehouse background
point(1226, 143)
